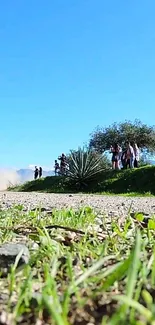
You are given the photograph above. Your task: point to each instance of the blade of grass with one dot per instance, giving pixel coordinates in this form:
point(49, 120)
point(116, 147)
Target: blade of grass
point(90, 271)
point(52, 309)
point(136, 305)
point(131, 281)
point(116, 272)
point(134, 267)
point(153, 269)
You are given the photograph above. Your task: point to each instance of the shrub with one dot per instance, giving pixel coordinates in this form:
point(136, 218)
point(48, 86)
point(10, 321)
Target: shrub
point(84, 167)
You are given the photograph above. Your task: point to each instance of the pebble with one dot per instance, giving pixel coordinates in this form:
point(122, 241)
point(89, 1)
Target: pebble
point(9, 252)
point(107, 205)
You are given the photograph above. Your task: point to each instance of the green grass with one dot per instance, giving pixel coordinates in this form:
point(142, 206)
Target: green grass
point(79, 277)
point(49, 184)
point(131, 182)
point(139, 180)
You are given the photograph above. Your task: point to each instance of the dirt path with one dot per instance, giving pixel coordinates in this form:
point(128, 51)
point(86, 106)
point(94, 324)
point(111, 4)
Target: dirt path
point(117, 205)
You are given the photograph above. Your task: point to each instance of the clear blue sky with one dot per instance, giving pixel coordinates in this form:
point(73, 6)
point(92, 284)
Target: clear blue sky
point(67, 66)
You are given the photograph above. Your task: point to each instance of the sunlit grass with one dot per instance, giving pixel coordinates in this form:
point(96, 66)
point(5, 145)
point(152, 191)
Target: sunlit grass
point(81, 273)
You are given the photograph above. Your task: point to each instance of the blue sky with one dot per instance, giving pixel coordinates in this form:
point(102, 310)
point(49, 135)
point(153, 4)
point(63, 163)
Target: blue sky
point(67, 66)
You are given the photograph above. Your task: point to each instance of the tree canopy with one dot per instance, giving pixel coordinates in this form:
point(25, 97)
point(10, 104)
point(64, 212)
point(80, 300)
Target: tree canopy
point(144, 135)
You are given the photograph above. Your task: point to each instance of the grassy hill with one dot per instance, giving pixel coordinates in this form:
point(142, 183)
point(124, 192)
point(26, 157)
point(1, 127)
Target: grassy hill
point(140, 181)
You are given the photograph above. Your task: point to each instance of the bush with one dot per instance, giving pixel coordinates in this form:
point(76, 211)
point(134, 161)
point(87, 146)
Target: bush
point(84, 166)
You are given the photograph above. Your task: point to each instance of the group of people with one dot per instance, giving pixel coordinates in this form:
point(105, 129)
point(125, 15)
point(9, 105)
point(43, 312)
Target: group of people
point(127, 158)
point(38, 172)
point(60, 169)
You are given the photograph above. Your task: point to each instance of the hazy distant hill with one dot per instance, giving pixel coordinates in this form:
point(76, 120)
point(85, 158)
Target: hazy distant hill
point(28, 174)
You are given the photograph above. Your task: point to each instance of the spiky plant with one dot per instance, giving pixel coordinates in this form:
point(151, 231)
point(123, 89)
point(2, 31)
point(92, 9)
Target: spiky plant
point(84, 166)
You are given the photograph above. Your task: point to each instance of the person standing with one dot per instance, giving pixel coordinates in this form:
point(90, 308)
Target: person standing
point(136, 153)
point(56, 168)
point(36, 172)
point(124, 159)
point(120, 157)
point(130, 155)
point(63, 163)
point(40, 172)
point(115, 156)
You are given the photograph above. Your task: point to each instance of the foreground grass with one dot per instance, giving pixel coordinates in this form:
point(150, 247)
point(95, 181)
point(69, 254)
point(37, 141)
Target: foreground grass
point(79, 275)
point(128, 182)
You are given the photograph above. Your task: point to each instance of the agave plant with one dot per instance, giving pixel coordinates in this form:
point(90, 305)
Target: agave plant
point(84, 165)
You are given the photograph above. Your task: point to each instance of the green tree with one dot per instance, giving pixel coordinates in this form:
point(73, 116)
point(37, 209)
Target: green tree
point(144, 135)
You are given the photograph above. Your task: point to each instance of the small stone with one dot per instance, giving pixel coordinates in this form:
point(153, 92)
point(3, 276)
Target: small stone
point(113, 213)
point(49, 212)
point(42, 209)
point(35, 246)
point(99, 221)
point(9, 252)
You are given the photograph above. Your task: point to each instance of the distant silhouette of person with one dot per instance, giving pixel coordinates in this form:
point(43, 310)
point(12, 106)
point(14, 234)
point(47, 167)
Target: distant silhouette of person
point(40, 172)
point(36, 172)
point(63, 163)
point(56, 167)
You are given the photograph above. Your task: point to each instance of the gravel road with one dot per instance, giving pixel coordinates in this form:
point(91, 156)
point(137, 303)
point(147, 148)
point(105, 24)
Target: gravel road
point(110, 205)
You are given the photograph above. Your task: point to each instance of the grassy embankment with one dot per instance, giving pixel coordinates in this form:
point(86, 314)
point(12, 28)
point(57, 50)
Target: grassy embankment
point(130, 182)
